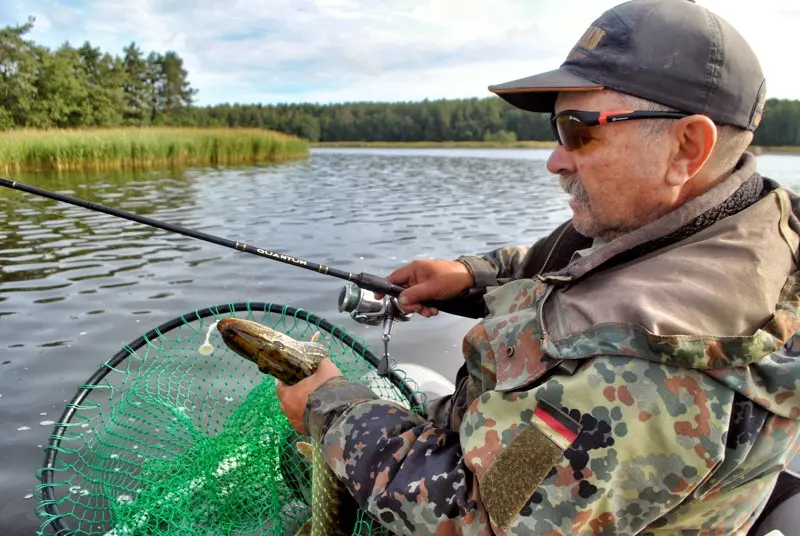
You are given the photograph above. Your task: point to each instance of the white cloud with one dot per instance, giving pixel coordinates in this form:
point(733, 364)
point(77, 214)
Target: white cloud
point(339, 50)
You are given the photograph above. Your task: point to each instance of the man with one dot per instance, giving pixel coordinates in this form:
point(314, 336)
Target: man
point(630, 374)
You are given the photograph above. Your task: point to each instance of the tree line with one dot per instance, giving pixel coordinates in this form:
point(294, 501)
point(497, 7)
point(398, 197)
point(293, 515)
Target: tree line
point(86, 87)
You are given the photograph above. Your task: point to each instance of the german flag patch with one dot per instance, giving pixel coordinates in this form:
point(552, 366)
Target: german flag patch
point(555, 424)
point(525, 462)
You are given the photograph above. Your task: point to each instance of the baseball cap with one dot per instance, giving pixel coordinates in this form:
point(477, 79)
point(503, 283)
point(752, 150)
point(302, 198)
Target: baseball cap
point(674, 52)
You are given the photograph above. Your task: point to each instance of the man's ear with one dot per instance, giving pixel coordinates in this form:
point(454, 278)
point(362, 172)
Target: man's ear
point(693, 139)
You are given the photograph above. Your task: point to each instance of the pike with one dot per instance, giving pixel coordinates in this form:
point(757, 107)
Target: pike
point(333, 509)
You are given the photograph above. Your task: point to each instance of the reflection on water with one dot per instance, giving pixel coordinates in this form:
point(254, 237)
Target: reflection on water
point(76, 285)
point(49, 249)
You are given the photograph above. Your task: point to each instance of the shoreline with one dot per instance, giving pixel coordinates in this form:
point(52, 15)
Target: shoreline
point(789, 150)
point(433, 145)
point(756, 149)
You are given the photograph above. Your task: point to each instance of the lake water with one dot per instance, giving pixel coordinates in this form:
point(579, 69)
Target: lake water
point(76, 285)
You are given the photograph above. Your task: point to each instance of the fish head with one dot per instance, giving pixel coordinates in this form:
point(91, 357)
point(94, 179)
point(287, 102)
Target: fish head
point(273, 352)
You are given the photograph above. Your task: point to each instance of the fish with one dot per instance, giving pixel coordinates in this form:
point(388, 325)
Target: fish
point(334, 511)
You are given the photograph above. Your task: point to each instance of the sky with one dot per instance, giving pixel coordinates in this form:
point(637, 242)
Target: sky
point(273, 51)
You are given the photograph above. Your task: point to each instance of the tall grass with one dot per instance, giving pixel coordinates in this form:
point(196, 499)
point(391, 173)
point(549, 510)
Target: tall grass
point(123, 148)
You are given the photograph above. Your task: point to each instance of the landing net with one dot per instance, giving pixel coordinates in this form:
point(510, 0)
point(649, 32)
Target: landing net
point(163, 440)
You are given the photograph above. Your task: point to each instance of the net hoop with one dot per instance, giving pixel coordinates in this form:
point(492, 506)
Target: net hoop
point(405, 385)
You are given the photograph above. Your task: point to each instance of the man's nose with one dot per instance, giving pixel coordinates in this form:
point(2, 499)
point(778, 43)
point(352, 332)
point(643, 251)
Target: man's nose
point(561, 162)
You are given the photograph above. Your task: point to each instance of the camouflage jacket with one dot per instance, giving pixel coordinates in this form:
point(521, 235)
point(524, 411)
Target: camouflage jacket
point(649, 387)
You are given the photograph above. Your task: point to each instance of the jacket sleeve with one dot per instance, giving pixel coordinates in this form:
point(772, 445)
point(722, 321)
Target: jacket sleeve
point(551, 252)
point(606, 450)
point(490, 269)
point(407, 472)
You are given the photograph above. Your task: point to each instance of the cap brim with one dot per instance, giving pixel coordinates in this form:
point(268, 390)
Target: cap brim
point(538, 93)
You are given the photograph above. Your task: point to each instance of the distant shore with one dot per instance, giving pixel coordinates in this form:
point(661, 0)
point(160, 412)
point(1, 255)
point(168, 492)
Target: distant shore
point(143, 147)
point(436, 144)
point(775, 150)
point(490, 145)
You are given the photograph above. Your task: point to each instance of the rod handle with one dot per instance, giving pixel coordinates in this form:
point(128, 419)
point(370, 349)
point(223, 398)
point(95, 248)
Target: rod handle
point(468, 304)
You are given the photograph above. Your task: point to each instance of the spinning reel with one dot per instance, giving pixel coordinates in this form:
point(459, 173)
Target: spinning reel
point(365, 308)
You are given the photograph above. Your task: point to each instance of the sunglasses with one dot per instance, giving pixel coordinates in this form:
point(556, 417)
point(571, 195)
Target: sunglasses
point(571, 127)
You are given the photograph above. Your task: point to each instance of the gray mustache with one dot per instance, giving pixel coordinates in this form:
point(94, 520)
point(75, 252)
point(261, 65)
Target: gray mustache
point(573, 186)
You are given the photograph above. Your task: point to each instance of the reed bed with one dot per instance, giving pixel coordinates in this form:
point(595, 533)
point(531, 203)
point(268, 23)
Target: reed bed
point(123, 148)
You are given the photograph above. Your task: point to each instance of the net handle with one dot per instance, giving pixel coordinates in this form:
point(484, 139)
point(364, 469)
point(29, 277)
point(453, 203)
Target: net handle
point(48, 469)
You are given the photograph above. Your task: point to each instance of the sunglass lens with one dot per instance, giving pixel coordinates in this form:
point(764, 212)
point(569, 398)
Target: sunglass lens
point(572, 132)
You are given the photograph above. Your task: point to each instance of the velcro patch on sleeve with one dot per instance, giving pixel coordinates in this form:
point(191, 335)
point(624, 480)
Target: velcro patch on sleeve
point(520, 468)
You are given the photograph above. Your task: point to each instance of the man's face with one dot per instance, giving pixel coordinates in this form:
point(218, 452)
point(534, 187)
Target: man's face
point(617, 178)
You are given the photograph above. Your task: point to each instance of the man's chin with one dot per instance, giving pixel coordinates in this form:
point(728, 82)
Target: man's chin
point(582, 224)
point(588, 233)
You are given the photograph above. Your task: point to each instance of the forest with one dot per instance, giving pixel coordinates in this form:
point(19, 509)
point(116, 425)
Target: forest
point(85, 87)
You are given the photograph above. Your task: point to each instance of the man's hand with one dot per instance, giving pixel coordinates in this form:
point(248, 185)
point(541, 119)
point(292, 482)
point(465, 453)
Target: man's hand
point(429, 280)
point(293, 398)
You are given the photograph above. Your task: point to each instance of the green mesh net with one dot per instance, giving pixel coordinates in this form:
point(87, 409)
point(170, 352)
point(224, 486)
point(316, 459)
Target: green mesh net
point(164, 440)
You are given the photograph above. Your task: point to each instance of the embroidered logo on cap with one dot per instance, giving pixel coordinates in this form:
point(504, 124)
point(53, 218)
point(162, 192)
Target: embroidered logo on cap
point(589, 41)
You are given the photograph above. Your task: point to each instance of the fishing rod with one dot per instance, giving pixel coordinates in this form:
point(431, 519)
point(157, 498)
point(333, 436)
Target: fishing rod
point(463, 305)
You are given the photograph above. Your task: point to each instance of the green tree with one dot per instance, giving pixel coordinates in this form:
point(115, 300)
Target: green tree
point(135, 87)
point(19, 66)
point(780, 124)
point(105, 78)
point(175, 94)
point(61, 91)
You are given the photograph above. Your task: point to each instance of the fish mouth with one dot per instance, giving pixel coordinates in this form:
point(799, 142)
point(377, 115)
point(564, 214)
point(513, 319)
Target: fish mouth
point(240, 337)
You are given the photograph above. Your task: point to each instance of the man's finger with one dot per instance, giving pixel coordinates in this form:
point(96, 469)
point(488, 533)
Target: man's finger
point(416, 294)
point(404, 276)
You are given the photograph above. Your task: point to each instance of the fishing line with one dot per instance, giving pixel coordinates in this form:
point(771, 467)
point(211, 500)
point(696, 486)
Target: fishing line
point(464, 305)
